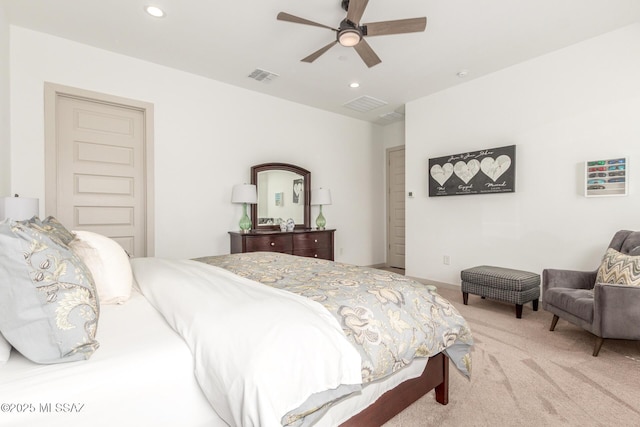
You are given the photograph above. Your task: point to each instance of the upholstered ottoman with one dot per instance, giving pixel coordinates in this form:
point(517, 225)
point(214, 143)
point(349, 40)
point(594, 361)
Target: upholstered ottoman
point(503, 284)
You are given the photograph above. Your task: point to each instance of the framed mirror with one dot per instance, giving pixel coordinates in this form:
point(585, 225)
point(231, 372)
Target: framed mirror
point(284, 191)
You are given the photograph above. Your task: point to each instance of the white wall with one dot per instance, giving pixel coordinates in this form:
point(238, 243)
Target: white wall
point(207, 136)
point(577, 104)
point(5, 153)
point(393, 135)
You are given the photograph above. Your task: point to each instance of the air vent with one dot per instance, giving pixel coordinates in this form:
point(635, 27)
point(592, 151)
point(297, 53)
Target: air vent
point(263, 75)
point(365, 103)
point(392, 116)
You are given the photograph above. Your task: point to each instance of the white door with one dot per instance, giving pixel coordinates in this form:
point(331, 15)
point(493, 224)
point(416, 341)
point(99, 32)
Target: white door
point(395, 207)
point(101, 173)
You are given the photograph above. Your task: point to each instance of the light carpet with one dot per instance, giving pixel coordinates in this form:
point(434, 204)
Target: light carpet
point(524, 374)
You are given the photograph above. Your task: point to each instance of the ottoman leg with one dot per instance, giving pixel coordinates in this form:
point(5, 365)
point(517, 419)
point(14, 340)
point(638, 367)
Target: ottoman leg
point(519, 311)
point(535, 305)
point(465, 298)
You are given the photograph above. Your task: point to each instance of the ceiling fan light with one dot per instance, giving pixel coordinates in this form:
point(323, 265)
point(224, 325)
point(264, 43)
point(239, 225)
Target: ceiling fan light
point(349, 38)
point(154, 11)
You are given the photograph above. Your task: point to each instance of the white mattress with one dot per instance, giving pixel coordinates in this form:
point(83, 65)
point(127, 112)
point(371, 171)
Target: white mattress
point(141, 375)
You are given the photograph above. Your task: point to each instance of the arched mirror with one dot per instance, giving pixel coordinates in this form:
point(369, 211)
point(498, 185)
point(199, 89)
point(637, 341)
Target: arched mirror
point(284, 191)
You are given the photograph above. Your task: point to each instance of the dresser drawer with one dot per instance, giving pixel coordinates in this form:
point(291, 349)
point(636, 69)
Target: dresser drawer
point(320, 253)
point(307, 243)
point(315, 240)
point(270, 242)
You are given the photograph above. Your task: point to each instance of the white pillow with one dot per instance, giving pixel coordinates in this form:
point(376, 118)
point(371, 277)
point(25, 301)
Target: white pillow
point(5, 349)
point(108, 263)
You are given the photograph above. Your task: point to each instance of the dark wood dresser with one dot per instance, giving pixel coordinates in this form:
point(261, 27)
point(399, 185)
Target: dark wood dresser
point(303, 242)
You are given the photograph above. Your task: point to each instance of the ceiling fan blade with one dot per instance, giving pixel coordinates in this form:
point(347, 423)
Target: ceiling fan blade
point(412, 25)
point(367, 54)
point(315, 55)
point(283, 16)
point(356, 9)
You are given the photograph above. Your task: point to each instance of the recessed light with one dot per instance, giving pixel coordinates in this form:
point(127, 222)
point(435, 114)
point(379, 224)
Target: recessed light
point(155, 11)
point(354, 85)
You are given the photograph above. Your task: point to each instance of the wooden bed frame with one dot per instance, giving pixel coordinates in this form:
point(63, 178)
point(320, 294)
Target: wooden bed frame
point(435, 376)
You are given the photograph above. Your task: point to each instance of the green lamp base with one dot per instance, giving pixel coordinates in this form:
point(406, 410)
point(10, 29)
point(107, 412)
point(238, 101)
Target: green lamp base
point(245, 221)
point(320, 221)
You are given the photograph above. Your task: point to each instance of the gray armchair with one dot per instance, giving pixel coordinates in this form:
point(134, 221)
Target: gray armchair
point(605, 310)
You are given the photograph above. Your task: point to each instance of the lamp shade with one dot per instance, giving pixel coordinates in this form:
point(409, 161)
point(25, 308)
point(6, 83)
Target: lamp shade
point(321, 196)
point(244, 193)
point(18, 208)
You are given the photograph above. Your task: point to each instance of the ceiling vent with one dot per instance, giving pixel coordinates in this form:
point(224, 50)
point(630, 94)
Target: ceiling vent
point(263, 75)
point(392, 116)
point(365, 103)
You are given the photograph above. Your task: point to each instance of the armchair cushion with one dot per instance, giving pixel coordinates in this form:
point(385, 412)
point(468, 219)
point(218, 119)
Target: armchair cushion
point(578, 302)
point(618, 268)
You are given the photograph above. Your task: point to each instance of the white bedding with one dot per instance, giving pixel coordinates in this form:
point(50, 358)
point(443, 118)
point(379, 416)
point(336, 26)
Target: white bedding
point(141, 375)
point(259, 352)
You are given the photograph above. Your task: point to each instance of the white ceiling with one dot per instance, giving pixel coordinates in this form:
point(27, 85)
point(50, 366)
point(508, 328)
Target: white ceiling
point(227, 40)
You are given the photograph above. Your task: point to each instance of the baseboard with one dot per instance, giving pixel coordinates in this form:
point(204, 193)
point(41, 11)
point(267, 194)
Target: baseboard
point(377, 266)
point(436, 283)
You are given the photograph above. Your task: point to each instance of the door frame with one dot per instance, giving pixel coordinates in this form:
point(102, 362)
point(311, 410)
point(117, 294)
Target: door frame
point(51, 93)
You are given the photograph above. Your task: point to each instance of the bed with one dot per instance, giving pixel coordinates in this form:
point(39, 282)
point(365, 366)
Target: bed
point(257, 332)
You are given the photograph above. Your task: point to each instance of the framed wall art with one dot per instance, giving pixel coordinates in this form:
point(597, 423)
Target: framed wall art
point(298, 191)
point(606, 177)
point(486, 171)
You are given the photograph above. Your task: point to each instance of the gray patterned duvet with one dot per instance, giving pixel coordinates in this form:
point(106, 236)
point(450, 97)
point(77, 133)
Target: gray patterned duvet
point(389, 318)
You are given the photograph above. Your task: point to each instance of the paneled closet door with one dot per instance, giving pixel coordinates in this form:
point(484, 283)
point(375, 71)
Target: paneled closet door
point(101, 177)
point(395, 207)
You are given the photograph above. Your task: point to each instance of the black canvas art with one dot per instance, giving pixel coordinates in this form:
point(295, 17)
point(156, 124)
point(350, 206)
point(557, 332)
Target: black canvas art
point(479, 172)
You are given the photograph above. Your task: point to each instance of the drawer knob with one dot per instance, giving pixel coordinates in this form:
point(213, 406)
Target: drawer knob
point(316, 240)
point(272, 244)
point(315, 255)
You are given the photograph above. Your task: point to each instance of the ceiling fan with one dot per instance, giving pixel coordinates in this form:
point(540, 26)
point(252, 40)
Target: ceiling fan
point(351, 34)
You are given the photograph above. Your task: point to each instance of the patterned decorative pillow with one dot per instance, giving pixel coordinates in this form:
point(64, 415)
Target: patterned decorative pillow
point(53, 228)
point(619, 269)
point(48, 302)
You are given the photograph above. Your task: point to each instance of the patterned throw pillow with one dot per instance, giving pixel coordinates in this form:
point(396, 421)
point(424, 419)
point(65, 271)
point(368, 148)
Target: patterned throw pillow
point(48, 303)
point(619, 269)
point(53, 229)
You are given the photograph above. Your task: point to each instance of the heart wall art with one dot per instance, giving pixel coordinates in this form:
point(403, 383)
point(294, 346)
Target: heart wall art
point(487, 171)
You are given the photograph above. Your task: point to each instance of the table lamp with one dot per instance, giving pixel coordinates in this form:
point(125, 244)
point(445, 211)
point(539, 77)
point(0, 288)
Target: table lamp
point(319, 197)
point(244, 193)
point(18, 208)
